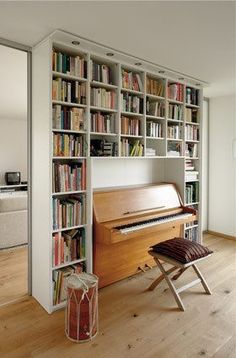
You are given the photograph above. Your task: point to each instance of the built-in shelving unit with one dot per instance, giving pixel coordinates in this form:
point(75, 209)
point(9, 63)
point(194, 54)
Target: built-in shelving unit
point(97, 106)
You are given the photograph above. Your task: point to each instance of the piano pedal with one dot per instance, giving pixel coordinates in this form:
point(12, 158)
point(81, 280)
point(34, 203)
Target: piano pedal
point(141, 269)
point(148, 266)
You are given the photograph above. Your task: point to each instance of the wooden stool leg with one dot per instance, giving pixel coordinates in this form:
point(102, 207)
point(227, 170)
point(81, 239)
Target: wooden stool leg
point(179, 273)
point(203, 281)
point(171, 286)
point(160, 278)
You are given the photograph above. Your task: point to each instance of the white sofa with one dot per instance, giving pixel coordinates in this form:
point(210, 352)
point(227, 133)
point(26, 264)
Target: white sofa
point(13, 219)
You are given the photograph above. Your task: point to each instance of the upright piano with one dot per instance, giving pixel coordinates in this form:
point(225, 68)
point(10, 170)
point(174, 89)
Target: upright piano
point(127, 221)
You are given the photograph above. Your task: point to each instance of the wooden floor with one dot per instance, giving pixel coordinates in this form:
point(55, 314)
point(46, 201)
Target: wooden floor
point(134, 323)
point(13, 274)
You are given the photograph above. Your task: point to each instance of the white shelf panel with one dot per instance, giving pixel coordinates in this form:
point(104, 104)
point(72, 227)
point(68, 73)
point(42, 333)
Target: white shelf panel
point(194, 158)
point(68, 77)
point(102, 109)
point(174, 101)
point(13, 186)
point(174, 120)
point(102, 85)
point(104, 134)
point(69, 228)
point(131, 136)
point(191, 141)
point(154, 117)
point(155, 138)
point(69, 104)
point(190, 227)
point(132, 114)
point(68, 264)
point(192, 123)
point(69, 192)
point(193, 203)
point(68, 131)
point(174, 139)
point(64, 158)
point(191, 105)
point(191, 180)
point(138, 93)
point(153, 96)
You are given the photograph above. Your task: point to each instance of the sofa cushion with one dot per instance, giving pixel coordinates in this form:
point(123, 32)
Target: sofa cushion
point(13, 201)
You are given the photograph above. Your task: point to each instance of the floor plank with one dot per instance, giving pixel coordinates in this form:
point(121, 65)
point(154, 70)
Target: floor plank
point(135, 323)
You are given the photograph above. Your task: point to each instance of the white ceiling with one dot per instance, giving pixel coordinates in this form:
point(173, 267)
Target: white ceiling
point(193, 37)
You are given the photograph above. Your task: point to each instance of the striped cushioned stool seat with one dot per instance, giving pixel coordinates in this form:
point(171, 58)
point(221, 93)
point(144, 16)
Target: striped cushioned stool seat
point(181, 254)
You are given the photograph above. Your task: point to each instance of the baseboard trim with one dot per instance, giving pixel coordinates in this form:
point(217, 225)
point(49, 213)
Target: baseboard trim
point(228, 237)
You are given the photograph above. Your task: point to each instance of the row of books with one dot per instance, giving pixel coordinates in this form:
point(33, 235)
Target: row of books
point(130, 103)
point(155, 108)
point(131, 80)
point(130, 126)
point(102, 148)
point(100, 97)
point(191, 150)
point(154, 129)
point(100, 72)
point(192, 96)
point(191, 114)
point(71, 65)
point(192, 192)
point(195, 222)
point(175, 91)
point(68, 177)
point(132, 149)
point(68, 91)
point(175, 111)
point(68, 145)
point(192, 234)
point(68, 118)
point(68, 212)
point(173, 131)
point(155, 87)
point(191, 132)
point(59, 278)
point(68, 246)
point(102, 123)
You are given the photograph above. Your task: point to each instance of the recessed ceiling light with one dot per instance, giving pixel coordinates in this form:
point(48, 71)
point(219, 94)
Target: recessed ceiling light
point(76, 43)
point(138, 63)
point(161, 71)
point(181, 78)
point(110, 54)
point(198, 84)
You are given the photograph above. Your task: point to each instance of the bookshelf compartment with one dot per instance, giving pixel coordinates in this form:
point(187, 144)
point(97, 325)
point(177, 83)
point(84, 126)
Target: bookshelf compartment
point(131, 147)
point(101, 146)
point(155, 108)
point(69, 64)
point(131, 80)
point(102, 72)
point(191, 150)
point(73, 92)
point(154, 129)
point(191, 115)
point(175, 111)
point(191, 133)
point(155, 87)
point(175, 92)
point(192, 192)
point(59, 277)
point(103, 122)
point(191, 96)
point(131, 103)
point(174, 131)
point(174, 148)
point(68, 211)
point(130, 126)
point(68, 145)
point(155, 147)
point(67, 118)
point(68, 247)
point(102, 98)
point(68, 177)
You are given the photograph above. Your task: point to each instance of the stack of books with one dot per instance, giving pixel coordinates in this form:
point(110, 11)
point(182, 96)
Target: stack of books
point(68, 212)
point(150, 152)
point(131, 103)
point(102, 123)
point(191, 175)
point(175, 111)
point(100, 72)
point(130, 126)
point(173, 131)
point(68, 177)
point(192, 96)
point(154, 129)
point(100, 97)
point(189, 164)
point(173, 149)
point(155, 108)
point(191, 132)
point(68, 145)
point(191, 114)
point(175, 91)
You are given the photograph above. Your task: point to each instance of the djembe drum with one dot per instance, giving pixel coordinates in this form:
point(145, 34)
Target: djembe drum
point(82, 307)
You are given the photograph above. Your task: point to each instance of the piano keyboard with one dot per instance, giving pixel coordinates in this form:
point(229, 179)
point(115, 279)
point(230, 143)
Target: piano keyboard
point(125, 229)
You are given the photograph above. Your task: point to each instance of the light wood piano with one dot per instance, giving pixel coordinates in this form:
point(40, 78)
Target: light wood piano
point(127, 221)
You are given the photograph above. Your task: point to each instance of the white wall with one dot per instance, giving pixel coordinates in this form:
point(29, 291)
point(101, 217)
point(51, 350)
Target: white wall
point(222, 165)
point(205, 163)
point(13, 147)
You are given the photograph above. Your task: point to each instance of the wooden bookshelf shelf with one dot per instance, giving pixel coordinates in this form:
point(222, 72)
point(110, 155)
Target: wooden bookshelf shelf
point(68, 263)
point(69, 228)
point(152, 96)
point(103, 109)
point(137, 93)
point(69, 192)
point(68, 77)
point(102, 85)
point(69, 104)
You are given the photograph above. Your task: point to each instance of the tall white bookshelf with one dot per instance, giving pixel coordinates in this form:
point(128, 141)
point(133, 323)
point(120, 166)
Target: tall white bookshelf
point(156, 127)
